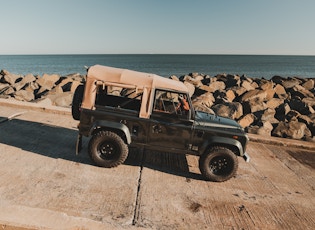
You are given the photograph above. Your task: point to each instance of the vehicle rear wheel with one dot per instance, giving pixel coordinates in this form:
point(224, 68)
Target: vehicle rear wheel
point(218, 164)
point(107, 149)
point(76, 102)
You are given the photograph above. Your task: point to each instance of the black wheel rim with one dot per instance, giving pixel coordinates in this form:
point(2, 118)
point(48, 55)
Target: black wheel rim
point(107, 150)
point(221, 165)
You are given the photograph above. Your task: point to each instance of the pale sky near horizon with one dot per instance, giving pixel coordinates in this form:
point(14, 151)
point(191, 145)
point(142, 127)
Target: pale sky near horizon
point(284, 27)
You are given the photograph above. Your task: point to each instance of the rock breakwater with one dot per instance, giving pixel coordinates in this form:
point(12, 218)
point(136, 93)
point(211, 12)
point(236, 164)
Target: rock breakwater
point(55, 89)
point(281, 107)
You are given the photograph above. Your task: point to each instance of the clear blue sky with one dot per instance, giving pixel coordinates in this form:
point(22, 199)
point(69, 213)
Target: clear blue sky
point(157, 26)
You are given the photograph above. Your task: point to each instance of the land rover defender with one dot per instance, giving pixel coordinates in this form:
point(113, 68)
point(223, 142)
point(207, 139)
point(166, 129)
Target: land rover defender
point(120, 108)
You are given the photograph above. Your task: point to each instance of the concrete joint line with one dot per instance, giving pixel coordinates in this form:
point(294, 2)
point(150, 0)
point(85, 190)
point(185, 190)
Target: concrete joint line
point(136, 212)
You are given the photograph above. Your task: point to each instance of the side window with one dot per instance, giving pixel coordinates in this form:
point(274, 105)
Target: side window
point(118, 97)
point(170, 103)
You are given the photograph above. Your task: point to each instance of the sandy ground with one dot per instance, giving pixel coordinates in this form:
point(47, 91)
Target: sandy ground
point(44, 185)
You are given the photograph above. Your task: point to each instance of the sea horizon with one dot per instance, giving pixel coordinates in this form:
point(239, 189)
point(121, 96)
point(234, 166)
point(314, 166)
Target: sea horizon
point(251, 65)
point(196, 54)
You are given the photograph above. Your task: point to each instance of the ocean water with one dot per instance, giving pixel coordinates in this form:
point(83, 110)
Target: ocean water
point(258, 66)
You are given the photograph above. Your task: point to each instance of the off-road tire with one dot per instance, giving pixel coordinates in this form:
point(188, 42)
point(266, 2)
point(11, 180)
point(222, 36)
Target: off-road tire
point(107, 149)
point(76, 102)
point(218, 164)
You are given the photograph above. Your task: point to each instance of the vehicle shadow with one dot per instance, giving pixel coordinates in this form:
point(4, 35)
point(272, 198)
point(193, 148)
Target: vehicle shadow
point(43, 139)
point(59, 142)
point(171, 163)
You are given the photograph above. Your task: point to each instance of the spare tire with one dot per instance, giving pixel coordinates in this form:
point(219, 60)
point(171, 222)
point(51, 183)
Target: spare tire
point(76, 102)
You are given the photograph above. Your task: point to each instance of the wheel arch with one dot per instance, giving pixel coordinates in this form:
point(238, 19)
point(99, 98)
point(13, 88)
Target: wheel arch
point(232, 144)
point(118, 128)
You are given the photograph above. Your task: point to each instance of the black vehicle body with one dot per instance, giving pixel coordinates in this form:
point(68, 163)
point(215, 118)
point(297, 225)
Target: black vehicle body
point(215, 139)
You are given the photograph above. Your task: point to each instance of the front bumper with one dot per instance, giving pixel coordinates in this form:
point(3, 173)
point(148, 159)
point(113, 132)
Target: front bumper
point(246, 157)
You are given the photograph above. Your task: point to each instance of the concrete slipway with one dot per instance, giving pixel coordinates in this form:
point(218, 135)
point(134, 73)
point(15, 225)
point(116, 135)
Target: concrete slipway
point(44, 185)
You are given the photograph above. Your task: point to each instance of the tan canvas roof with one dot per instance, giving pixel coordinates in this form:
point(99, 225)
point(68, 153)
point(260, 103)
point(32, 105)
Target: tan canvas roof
point(105, 75)
point(140, 79)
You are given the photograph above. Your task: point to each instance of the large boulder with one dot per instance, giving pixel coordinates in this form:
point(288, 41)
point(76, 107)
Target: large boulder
point(305, 119)
point(280, 91)
point(269, 115)
point(66, 83)
point(309, 101)
point(266, 129)
point(266, 85)
point(247, 120)
point(249, 85)
point(32, 87)
point(263, 130)
point(206, 99)
point(47, 82)
point(238, 109)
point(9, 90)
point(25, 80)
point(255, 94)
point(309, 84)
point(269, 94)
point(203, 108)
point(238, 90)
point(63, 99)
point(4, 87)
point(230, 95)
point(217, 85)
point(24, 95)
point(10, 77)
point(254, 105)
point(232, 110)
point(290, 82)
point(195, 81)
point(274, 103)
point(56, 90)
point(252, 129)
point(223, 110)
point(203, 103)
point(300, 92)
point(293, 129)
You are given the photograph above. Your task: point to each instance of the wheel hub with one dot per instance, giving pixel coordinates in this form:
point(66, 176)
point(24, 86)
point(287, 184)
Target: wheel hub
point(107, 151)
point(219, 165)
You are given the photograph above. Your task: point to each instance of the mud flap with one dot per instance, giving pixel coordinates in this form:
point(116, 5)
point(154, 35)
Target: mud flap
point(78, 145)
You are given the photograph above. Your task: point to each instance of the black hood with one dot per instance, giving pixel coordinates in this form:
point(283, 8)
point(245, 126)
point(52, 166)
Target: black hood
point(207, 119)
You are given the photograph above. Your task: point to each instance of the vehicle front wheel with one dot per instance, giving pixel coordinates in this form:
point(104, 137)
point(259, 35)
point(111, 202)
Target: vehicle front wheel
point(107, 149)
point(218, 164)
